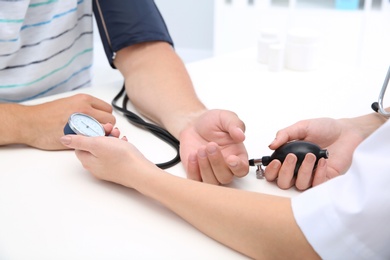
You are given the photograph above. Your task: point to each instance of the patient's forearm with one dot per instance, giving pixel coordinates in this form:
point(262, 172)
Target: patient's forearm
point(12, 123)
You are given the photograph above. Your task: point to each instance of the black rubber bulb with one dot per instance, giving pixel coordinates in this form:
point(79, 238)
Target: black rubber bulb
point(300, 149)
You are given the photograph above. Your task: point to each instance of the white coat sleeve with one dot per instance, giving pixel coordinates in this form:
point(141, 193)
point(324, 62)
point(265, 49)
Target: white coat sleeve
point(348, 217)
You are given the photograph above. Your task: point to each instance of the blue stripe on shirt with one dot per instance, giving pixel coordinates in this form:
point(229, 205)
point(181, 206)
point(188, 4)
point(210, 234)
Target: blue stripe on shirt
point(42, 3)
point(52, 87)
point(47, 39)
point(48, 74)
point(50, 57)
point(37, 24)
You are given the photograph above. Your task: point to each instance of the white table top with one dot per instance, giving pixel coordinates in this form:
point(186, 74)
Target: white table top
point(51, 208)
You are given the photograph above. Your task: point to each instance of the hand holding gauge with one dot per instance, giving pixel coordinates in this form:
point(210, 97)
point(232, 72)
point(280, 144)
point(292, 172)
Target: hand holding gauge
point(83, 124)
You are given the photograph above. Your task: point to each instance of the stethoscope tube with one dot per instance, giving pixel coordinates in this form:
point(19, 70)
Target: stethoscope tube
point(378, 106)
point(154, 129)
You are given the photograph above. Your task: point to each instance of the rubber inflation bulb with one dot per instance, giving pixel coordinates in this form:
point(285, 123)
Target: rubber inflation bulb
point(300, 149)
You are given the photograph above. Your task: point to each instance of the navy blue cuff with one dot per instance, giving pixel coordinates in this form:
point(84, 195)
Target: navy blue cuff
point(123, 23)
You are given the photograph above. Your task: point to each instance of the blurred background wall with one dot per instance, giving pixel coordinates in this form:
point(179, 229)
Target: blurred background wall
point(356, 34)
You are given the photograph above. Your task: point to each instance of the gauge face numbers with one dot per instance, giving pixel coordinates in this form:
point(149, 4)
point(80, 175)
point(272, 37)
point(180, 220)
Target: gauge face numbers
point(85, 125)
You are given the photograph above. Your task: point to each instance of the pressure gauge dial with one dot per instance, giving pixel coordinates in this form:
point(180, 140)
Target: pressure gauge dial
point(83, 124)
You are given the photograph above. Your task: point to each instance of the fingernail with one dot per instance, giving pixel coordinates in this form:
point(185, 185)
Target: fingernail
point(321, 162)
point(291, 159)
point(66, 140)
point(310, 159)
point(272, 142)
point(276, 165)
point(211, 149)
point(202, 153)
point(233, 164)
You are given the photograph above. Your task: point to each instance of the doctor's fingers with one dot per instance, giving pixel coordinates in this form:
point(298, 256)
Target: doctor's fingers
point(283, 173)
point(84, 143)
point(271, 172)
point(110, 130)
point(86, 158)
point(305, 173)
point(296, 131)
point(320, 174)
point(286, 177)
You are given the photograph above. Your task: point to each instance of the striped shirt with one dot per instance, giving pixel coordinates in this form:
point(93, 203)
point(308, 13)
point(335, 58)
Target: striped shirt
point(45, 47)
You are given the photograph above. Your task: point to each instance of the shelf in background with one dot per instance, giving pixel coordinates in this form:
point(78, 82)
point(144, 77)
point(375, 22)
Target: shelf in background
point(327, 4)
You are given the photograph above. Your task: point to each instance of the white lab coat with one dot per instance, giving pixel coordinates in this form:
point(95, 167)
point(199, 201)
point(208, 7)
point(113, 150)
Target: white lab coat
point(348, 217)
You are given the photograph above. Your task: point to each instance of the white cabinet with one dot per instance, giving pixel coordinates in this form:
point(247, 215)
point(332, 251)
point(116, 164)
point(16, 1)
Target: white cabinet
point(353, 36)
point(203, 28)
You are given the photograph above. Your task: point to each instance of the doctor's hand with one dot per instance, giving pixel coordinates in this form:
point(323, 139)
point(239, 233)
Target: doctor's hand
point(109, 158)
point(212, 149)
point(46, 121)
point(340, 137)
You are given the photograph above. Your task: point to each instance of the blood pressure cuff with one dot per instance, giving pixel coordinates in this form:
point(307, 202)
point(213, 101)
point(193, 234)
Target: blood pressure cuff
point(124, 23)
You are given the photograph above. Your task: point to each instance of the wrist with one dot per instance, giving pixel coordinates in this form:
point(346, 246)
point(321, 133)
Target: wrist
point(144, 178)
point(178, 123)
point(367, 124)
point(14, 118)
